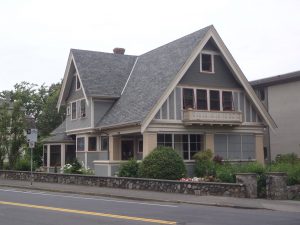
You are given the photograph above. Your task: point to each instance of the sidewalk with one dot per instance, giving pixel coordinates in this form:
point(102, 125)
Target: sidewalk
point(280, 205)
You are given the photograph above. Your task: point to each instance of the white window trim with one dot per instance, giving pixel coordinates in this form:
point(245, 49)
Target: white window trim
point(212, 62)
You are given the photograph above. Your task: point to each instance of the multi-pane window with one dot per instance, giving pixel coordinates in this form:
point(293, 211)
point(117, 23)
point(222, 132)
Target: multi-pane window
point(74, 110)
point(92, 144)
point(186, 145)
point(201, 99)
point(45, 155)
point(188, 98)
point(164, 140)
point(227, 101)
point(207, 63)
point(104, 143)
point(82, 108)
point(80, 144)
point(55, 155)
point(214, 100)
point(235, 146)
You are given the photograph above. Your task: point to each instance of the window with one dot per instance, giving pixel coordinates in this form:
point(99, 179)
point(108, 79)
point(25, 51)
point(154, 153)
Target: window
point(104, 143)
point(80, 144)
point(202, 99)
point(140, 147)
point(206, 62)
point(188, 98)
point(82, 108)
point(68, 111)
point(55, 155)
point(74, 111)
point(92, 144)
point(78, 86)
point(70, 154)
point(227, 101)
point(235, 146)
point(214, 100)
point(185, 144)
point(164, 140)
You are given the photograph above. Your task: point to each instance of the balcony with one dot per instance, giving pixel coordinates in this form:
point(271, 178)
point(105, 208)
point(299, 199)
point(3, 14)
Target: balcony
point(192, 116)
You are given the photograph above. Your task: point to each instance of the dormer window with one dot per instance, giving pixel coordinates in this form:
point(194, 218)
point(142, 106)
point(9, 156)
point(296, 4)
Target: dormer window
point(78, 86)
point(207, 63)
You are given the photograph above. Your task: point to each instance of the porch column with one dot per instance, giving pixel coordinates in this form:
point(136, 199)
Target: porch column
point(62, 155)
point(259, 148)
point(48, 158)
point(209, 142)
point(114, 148)
point(149, 143)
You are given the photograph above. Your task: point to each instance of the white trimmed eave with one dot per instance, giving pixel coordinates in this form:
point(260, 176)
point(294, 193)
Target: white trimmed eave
point(175, 81)
point(212, 33)
point(65, 80)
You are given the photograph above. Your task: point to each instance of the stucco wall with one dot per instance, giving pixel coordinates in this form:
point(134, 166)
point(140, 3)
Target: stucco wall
point(284, 107)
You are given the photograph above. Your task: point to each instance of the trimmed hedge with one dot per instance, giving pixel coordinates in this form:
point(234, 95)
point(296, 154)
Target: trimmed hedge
point(162, 163)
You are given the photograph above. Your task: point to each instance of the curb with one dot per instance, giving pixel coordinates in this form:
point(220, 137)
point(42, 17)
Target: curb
point(132, 198)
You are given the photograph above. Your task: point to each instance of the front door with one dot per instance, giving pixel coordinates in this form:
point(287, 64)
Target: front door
point(127, 149)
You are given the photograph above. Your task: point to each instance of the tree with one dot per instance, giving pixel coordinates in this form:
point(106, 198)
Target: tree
point(17, 137)
point(4, 131)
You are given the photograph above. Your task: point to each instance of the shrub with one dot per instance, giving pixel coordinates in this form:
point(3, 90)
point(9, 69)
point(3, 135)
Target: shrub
point(292, 170)
point(163, 163)
point(226, 172)
point(218, 159)
point(287, 158)
point(205, 155)
point(205, 168)
point(23, 165)
point(74, 168)
point(129, 169)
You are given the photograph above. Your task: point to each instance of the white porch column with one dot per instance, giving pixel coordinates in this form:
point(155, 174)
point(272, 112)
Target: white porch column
point(48, 157)
point(259, 148)
point(149, 143)
point(209, 142)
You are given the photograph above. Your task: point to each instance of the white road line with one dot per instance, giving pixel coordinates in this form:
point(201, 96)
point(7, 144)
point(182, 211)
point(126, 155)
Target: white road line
point(86, 198)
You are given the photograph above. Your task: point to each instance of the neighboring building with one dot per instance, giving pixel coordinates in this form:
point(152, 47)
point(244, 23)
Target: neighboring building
point(281, 96)
point(189, 94)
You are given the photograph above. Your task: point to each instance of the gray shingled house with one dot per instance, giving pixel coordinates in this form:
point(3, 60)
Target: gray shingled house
point(189, 94)
point(281, 96)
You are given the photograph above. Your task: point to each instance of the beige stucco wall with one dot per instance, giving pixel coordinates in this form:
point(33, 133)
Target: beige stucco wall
point(149, 143)
point(284, 107)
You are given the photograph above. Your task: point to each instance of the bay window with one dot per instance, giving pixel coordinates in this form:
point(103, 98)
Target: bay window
point(188, 98)
point(227, 101)
point(214, 100)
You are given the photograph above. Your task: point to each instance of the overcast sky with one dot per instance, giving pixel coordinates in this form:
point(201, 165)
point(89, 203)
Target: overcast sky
point(36, 36)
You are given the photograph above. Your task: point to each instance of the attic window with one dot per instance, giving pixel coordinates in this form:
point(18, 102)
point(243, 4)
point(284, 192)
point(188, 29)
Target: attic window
point(78, 86)
point(207, 63)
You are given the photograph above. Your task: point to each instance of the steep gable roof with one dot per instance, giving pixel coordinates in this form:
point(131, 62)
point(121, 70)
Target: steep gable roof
point(102, 74)
point(153, 73)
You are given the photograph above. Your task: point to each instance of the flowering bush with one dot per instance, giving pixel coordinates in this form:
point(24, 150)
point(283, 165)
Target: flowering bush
point(76, 168)
point(198, 179)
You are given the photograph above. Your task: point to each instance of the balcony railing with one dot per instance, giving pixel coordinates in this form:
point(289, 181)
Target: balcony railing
point(192, 116)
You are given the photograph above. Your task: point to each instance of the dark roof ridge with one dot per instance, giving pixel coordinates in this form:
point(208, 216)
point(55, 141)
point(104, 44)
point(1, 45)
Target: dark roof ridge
point(109, 53)
point(200, 30)
point(290, 76)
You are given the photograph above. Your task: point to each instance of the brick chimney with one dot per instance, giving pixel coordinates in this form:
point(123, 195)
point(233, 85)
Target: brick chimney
point(119, 51)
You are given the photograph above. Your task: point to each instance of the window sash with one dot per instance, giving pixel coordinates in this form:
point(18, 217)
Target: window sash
point(92, 144)
point(80, 144)
point(188, 98)
point(227, 100)
point(82, 108)
point(104, 143)
point(206, 63)
point(214, 100)
point(201, 99)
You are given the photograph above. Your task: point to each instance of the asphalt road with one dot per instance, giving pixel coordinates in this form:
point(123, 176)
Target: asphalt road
point(19, 207)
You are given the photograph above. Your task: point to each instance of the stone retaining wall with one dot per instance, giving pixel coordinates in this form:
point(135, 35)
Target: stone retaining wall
point(201, 188)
